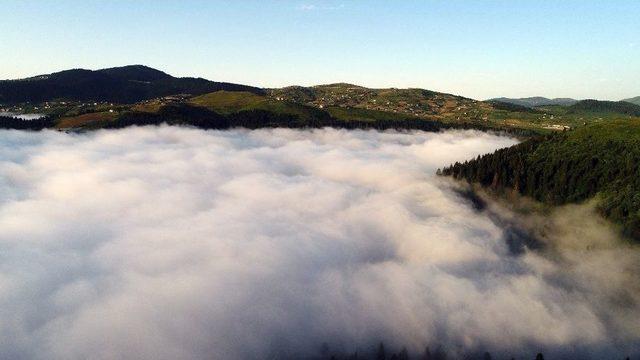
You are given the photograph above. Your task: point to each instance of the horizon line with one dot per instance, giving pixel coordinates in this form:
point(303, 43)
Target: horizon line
point(316, 85)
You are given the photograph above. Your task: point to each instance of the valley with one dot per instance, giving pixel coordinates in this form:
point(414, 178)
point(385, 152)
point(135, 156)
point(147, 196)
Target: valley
point(573, 150)
point(71, 100)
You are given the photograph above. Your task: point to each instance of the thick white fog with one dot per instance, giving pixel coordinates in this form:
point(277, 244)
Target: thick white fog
point(174, 243)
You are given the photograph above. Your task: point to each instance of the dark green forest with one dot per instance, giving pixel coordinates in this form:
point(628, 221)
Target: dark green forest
point(600, 106)
point(184, 114)
point(8, 122)
point(382, 352)
point(125, 85)
point(188, 115)
point(501, 105)
point(601, 160)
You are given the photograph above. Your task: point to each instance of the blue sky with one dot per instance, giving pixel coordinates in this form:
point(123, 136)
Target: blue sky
point(480, 49)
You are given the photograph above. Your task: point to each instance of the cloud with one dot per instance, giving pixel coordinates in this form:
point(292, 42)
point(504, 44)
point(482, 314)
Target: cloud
point(314, 7)
point(307, 7)
point(172, 243)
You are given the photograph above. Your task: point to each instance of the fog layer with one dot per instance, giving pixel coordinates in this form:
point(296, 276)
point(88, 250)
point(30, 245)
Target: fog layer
point(174, 243)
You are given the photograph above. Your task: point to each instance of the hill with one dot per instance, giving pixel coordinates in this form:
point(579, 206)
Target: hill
point(426, 104)
point(500, 105)
point(136, 73)
point(604, 107)
point(529, 114)
point(416, 102)
point(600, 160)
point(189, 114)
point(536, 101)
point(226, 102)
point(633, 100)
point(81, 97)
point(226, 109)
point(126, 85)
point(344, 112)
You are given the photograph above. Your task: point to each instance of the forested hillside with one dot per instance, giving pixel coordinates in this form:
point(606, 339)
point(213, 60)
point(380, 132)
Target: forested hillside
point(200, 117)
point(633, 100)
point(126, 84)
point(8, 122)
point(600, 160)
point(76, 98)
point(599, 106)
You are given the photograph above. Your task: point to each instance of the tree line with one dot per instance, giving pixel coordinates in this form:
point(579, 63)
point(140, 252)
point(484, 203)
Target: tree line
point(188, 115)
point(10, 122)
point(181, 114)
point(381, 352)
point(566, 168)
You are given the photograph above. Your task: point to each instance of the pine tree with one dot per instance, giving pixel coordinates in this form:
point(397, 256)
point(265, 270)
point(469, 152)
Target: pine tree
point(404, 354)
point(382, 354)
point(427, 354)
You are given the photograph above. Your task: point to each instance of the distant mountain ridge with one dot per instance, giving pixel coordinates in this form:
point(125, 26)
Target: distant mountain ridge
point(94, 98)
point(633, 100)
point(601, 106)
point(127, 84)
point(537, 101)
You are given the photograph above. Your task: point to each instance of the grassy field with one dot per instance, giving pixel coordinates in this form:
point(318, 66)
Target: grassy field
point(226, 102)
point(89, 120)
point(357, 114)
point(414, 102)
